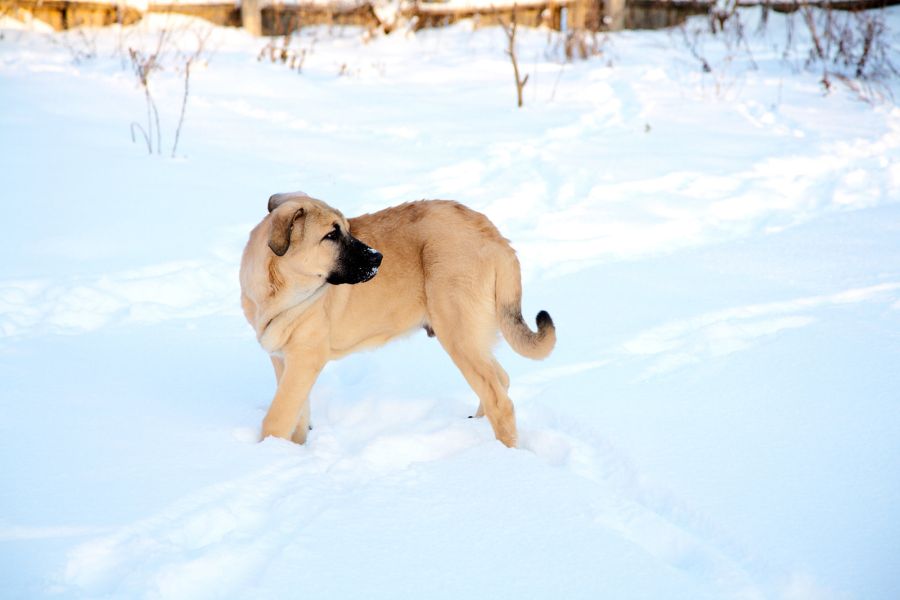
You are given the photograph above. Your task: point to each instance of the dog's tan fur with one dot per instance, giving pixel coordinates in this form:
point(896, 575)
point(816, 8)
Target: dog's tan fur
point(445, 268)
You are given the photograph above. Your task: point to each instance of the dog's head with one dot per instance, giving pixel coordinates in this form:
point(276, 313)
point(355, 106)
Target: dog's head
point(312, 239)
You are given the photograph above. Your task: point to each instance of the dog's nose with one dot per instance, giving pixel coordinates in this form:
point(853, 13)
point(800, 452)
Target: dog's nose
point(376, 258)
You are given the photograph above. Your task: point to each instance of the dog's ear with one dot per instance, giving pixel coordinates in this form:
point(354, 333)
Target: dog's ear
point(276, 200)
point(282, 227)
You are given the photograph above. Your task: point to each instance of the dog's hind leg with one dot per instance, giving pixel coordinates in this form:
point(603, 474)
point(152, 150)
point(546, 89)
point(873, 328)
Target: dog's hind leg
point(502, 375)
point(468, 343)
point(495, 404)
point(504, 381)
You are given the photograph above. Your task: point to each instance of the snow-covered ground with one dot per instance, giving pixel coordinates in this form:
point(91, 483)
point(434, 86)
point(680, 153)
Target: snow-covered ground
point(720, 252)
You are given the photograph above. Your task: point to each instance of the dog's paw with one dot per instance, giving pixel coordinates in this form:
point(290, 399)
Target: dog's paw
point(274, 429)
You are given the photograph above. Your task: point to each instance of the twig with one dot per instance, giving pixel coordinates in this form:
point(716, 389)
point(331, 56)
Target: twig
point(184, 99)
point(556, 83)
point(510, 30)
point(144, 133)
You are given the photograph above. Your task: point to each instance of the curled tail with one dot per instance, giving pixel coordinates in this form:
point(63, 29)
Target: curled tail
point(508, 293)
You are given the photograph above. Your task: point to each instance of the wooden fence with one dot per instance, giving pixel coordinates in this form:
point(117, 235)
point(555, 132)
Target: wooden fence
point(279, 19)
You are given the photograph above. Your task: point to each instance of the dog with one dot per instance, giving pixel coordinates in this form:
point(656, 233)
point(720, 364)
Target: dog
point(314, 288)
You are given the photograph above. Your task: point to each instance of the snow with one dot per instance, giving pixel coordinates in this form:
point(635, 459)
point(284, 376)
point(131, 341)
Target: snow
point(719, 253)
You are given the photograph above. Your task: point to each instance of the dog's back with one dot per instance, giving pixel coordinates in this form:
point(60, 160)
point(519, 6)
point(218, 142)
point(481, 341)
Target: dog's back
point(441, 252)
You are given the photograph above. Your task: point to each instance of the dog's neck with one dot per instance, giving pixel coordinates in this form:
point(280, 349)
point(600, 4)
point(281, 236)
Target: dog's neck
point(270, 326)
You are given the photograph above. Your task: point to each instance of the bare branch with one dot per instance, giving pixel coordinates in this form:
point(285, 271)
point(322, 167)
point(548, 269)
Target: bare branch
point(187, 80)
point(144, 133)
point(510, 30)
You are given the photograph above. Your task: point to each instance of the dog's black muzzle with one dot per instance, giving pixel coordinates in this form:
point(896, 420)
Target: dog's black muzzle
point(356, 262)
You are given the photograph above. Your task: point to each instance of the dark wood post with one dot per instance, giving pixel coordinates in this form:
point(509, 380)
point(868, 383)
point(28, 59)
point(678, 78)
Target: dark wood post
point(614, 14)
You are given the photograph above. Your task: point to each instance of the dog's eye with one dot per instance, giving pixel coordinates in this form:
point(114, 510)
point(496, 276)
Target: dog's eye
point(333, 235)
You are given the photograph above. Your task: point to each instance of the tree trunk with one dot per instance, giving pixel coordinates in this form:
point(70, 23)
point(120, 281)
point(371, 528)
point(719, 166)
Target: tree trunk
point(251, 16)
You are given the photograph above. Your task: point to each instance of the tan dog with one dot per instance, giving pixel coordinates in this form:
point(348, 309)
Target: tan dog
point(446, 268)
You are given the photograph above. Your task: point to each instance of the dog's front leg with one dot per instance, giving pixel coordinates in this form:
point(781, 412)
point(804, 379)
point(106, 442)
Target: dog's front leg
point(291, 402)
point(303, 426)
point(278, 365)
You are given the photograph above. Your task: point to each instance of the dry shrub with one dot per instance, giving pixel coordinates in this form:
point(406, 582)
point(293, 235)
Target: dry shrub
point(853, 47)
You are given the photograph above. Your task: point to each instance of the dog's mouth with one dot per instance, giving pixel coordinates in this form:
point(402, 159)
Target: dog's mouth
point(357, 263)
point(365, 275)
point(369, 275)
point(375, 258)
